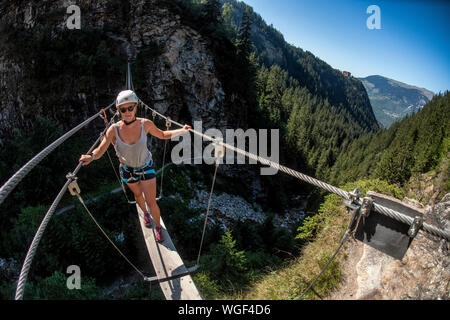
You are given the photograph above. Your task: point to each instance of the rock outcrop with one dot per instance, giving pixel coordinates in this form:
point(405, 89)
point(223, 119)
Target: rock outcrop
point(226, 209)
point(180, 79)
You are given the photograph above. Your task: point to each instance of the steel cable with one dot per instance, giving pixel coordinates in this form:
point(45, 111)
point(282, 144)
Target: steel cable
point(22, 172)
point(445, 234)
point(37, 237)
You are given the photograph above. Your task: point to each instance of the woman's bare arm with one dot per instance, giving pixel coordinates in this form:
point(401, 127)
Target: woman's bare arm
point(151, 128)
point(101, 149)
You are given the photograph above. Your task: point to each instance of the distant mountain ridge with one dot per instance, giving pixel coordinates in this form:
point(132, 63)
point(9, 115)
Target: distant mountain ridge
point(392, 100)
point(321, 80)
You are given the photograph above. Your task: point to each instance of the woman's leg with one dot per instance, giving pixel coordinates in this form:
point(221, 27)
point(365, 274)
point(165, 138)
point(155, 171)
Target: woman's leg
point(138, 195)
point(149, 189)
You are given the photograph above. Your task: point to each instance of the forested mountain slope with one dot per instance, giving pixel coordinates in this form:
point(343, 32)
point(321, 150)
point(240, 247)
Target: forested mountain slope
point(416, 144)
point(318, 109)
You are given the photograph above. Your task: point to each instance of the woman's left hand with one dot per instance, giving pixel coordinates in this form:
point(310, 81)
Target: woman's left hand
point(186, 127)
point(85, 159)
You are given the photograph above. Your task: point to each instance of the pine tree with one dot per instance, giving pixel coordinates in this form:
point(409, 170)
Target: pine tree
point(244, 44)
point(227, 14)
point(211, 12)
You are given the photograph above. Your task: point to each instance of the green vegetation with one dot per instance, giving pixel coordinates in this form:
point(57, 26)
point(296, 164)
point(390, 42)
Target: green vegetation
point(239, 257)
point(344, 93)
point(326, 129)
point(293, 91)
point(417, 144)
point(61, 65)
point(230, 260)
point(72, 236)
point(320, 236)
point(54, 288)
point(41, 185)
point(296, 111)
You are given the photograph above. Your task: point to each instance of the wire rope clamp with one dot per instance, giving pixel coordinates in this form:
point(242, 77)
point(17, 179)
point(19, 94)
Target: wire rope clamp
point(366, 206)
point(351, 205)
point(354, 195)
point(168, 123)
point(352, 202)
point(415, 226)
point(73, 187)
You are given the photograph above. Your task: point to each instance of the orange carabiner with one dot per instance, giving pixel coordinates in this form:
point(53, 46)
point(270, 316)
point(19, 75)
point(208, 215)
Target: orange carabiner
point(104, 117)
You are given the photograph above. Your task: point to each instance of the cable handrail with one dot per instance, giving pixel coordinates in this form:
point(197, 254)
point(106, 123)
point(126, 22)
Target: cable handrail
point(25, 169)
point(38, 235)
point(445, 234)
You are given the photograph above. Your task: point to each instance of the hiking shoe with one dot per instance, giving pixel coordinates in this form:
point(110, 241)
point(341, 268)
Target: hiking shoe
point(147, 220)
point(159, 236)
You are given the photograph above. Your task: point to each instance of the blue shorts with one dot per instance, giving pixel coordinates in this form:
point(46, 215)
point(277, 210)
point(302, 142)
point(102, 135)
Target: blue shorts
point(133, 175)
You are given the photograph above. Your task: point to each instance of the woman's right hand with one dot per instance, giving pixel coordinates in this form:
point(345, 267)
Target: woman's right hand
point(86, 159)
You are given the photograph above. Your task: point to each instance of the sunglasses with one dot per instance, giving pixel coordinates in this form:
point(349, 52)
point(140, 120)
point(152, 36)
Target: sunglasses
point(130, 108)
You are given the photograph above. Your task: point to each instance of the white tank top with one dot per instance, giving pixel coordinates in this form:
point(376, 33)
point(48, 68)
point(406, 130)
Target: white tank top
point(133, 155)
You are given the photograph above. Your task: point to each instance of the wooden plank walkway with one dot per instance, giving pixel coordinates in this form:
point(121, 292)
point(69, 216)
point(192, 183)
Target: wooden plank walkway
point(167, 263)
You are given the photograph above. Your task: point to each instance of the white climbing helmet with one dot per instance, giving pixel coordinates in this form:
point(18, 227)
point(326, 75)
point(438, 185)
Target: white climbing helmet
point(126, 96)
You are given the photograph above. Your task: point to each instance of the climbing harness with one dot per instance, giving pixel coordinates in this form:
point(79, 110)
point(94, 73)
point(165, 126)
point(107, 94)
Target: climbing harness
point(120, 180)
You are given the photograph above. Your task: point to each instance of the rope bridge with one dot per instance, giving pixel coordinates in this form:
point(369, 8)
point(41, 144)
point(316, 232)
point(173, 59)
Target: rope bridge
point(352, 198)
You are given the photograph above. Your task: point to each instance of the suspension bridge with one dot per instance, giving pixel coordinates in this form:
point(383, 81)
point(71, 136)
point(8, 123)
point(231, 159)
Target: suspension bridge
point(171, 273)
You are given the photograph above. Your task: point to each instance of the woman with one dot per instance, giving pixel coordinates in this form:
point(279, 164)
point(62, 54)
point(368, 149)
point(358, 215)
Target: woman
point(129, 137)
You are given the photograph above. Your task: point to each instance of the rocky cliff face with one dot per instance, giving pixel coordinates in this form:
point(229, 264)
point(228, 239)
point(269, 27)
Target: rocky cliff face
point(181, 79)
point(423, 273)
point(174, 68)
point(184, 75)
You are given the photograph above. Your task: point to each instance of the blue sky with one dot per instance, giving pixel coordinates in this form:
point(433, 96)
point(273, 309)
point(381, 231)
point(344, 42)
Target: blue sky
point(412, 46)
